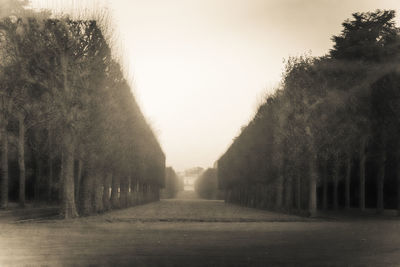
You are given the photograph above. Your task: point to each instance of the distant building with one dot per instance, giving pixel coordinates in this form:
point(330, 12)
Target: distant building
point(189, 183)
point(190, 176)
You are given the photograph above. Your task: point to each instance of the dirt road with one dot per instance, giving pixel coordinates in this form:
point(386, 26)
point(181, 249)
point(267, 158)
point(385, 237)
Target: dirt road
point(192, 232)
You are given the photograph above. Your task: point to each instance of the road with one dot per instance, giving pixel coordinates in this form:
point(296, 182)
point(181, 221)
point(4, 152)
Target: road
point(192, 232)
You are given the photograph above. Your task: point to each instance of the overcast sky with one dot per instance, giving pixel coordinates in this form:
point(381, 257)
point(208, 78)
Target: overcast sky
point(201, 67)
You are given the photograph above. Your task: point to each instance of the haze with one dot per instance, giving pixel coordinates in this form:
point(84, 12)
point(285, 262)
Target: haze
point(200, 68)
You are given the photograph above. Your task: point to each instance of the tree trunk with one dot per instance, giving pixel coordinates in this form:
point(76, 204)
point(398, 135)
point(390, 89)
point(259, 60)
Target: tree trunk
point(133, 191)
point(130, 190)
point(144, 191)
point(288, 193)
point(38, 179)
point(114, 191)
point(98, 192)
point(157, 193)
point(398, 185)
point(68, 208)
point(106, 191)
point(50, 165)
point(325, 187)
point(335, 193)
point(68, 197)
point(312, 208)
point(78, 179)
point(279, 191)
point(363, 159)
point(138, 193)
point(60, 193)
point(380, 183)
point(4, 164)
point(87, 191)
point(347, 182)
point(336, 174)
point(138, 190)
point(150, 193)
point(298, 192)
point(21, 158)
point(124, 193)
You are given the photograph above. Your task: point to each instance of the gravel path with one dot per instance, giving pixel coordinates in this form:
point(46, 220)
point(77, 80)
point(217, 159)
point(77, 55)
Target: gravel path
point(194, 210)
point(192, 232)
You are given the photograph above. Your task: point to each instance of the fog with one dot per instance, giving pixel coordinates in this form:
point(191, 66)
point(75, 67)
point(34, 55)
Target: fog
point(201, 68)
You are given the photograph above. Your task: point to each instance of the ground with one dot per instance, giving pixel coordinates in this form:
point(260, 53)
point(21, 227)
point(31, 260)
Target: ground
point(192, 232)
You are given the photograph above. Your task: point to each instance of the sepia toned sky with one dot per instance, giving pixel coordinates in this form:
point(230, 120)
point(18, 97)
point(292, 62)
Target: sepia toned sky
point(201, 67)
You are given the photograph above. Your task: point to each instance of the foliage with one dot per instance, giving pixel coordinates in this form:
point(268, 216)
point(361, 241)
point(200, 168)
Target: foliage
point(316, 122)
point(206, 186)
point(173, 184)
point(81, 119)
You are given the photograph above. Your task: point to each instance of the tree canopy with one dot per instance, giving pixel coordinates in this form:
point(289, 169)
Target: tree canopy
point(63, 96)
point(330, 117)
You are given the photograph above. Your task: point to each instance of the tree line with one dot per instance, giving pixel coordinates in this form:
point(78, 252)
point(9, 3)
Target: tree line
point(71, 131)
point(173, 184)
point(206, 185)
point(327, 138)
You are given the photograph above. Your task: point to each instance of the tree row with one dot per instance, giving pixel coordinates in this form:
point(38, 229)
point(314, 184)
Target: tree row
point(328, 137)
point(71, 131)
point(206, 185)
point(173, 184)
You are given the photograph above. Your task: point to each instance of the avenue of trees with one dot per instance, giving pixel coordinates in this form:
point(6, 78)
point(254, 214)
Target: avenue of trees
point(173, 184)
point(328, 138)
point(71, 131)
point(206, 186)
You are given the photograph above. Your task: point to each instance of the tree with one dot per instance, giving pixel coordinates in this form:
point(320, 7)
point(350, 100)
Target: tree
point(64, 95)
point(206, 185)
point(327, 111)
point(370, 37)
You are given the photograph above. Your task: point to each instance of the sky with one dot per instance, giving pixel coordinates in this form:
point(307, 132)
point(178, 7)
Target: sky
point(200, 68)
